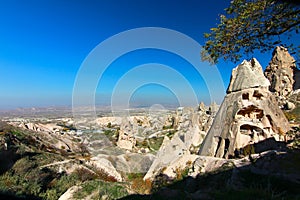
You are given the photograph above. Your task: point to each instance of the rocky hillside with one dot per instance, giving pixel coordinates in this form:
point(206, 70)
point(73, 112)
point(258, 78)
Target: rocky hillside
point(248, 148)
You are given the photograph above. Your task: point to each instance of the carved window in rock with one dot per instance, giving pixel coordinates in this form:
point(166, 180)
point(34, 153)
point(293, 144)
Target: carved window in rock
point(257, 95)
point(245, 96)
point(271, 123)
point(250, 130)
point(250, 112)
point(250, 134)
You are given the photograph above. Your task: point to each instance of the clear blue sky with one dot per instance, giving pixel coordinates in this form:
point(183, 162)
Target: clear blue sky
point(44, 42)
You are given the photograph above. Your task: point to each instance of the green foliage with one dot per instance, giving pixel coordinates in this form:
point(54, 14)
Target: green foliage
point(142, 144)
point(137, 184)
point(155, 143)
point(26, 178)
point(84, 174)
point(250, 25)
point(151, 143)
point(112, 134)
point(293, 115)
point(18, 134)
point(109, 132)
point(181, 173)
point(98, 188)
point(167, 127)
point(132, 176)
point(171, 133)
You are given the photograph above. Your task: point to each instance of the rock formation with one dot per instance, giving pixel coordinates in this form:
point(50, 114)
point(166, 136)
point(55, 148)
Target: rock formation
point(280, 72)
point(175, 153)
point(249, 113)
point(179, 152)
point(168, 154)
point(126, 138)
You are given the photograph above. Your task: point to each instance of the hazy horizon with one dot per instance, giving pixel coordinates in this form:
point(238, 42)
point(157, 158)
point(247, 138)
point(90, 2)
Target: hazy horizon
point(45, 44)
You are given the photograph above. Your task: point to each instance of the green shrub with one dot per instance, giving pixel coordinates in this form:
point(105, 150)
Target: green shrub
point(84, 174)
point(100, 188)
point(132, 176)
point(155, 143)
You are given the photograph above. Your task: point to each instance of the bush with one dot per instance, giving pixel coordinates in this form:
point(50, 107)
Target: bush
point(84, 174)
point(101, 174)
point(155, 143)
point(99, 188)
point(140, 186)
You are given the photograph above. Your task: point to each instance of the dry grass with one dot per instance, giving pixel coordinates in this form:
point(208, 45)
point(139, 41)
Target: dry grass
point(140, 186)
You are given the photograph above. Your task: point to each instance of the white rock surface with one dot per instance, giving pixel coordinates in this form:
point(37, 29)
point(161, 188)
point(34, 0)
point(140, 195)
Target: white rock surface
point(245, 115)
point(106, 166)
point(280, 72)
point(248, 74)
point(68, 195)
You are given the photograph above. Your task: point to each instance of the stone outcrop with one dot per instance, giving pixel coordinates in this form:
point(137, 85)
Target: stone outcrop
point(249, 113)
point(126, 138)
point(169, 152)
point(247, 75)
point(69, 193)
point(49, 127)
point(105, 165)
point(280, 72)
point(176, 153)
point(187, 117)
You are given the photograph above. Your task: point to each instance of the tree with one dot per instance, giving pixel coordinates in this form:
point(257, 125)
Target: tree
point(250, 25)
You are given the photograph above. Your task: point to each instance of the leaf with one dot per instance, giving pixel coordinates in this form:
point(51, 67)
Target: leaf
point(249, 25)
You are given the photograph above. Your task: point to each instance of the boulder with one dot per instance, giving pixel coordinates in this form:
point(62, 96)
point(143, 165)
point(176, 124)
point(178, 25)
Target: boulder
point(104, 164)
point(179, 165)
point(126, 138)
point(133, 162)
point(205, 164)
point(175, 154)
point(169, 151)
point(68, 195)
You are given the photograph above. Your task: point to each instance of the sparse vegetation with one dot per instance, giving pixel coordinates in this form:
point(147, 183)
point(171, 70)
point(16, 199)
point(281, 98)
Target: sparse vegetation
point(155, 143)
point(181, 173)
point(137, 184)
point(293, 115)
point(171, 133)
point(27, 179)
point(252, 25)
point(97, 189)
point(150, 143)
point(112, 134)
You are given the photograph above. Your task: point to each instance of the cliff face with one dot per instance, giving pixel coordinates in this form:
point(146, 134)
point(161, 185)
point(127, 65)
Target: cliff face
point(281, 72)
point(249, 114)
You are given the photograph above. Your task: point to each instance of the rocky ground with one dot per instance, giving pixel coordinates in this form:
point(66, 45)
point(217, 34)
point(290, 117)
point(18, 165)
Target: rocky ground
point(43, 158)
point(248, 148)
point(34, 168)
